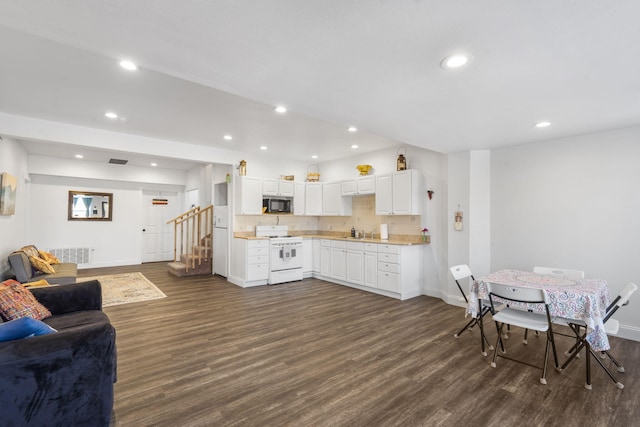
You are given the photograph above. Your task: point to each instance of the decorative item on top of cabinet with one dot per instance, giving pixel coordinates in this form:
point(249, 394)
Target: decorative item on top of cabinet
point(312, 173)
point(402, 161)
point(364, 169)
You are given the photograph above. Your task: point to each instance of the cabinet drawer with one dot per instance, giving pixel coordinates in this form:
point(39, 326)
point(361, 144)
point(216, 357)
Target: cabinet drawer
point(388, 257)
point(258, 271)
point(257, 251)
point(388, 267)
point(258, 259)
point(389, 249)
point(338, 244)
point(355, 246)
point(371, 247)
point(325, 242)
point(388, 281)
point(258, 244)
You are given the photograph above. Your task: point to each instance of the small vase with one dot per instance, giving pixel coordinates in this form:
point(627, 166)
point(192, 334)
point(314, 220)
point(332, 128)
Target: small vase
point(424, 237)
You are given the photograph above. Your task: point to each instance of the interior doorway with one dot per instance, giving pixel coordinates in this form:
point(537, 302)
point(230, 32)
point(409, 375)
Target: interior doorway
point(157, 235)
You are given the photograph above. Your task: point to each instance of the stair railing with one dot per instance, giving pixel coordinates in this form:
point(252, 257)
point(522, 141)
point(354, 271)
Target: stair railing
point(193, 232)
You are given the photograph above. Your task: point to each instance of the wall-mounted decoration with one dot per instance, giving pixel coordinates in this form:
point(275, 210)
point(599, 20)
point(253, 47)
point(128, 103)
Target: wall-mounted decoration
point(88, 206)
point(242, 168)
point(157, 201)
point(457, 224)
point(8, 186)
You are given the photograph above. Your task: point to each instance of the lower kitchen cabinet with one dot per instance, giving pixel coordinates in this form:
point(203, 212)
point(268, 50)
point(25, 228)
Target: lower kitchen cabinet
point(249, 262)
point(338, 260)
point(391, 270)
point(325, 258)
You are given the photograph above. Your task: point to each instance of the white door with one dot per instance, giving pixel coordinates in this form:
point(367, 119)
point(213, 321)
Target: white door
point(157, 235)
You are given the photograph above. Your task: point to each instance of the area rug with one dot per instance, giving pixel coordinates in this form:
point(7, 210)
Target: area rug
point(125, 288)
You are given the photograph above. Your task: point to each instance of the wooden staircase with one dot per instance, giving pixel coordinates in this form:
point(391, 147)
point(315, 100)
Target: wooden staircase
point(193, 243)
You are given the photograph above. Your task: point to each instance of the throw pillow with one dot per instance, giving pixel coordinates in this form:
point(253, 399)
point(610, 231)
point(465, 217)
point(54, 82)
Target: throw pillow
point(24, 327)
point(41, 265)
point(49, 257)
point(37, 284)
point(30, 250)
point(16, 301)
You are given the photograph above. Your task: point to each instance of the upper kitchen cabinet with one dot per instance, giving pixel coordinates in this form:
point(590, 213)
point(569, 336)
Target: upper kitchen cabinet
point(299, 200)
point(313, 199)
point(333, 203)
point(359, 186)
point(248, 196)
point(399, 193)
point(277, 187)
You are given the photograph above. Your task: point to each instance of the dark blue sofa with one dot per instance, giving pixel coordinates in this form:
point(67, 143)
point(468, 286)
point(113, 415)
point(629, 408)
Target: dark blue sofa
point(65, 378)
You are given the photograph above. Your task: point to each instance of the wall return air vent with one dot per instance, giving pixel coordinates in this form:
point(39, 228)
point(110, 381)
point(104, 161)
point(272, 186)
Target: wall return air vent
point(118, 161)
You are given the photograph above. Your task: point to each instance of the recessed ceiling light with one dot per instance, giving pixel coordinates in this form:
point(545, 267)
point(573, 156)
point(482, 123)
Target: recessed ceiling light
point(228, 137)
point(314, 156)
point(454, 61)
point(544, 124)
point(79, 156)
point(154, 164)
point(354, 146)
point(280, 109)
point(352, 129)
point(111, 115)
point(264, 147)
point(128, 65)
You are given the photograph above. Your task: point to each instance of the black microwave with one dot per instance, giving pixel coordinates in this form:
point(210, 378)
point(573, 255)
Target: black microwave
point(276, 205)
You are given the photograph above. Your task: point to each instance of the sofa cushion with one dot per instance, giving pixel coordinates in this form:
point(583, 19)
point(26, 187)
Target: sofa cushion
point(76, 319)
point(16, 301)
point(21, 266)
point(41, 265)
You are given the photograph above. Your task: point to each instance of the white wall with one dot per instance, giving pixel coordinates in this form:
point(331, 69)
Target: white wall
point(13, 160)
point(115, 242)
point(571, 203)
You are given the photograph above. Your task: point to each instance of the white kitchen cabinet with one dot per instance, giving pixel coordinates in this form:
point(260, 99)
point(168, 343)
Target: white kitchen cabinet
point(249, 262)
point(371, 265)
point(313, 199)
point(333, 203)
point(384, 199)
point(299, 198)
point(359, 186)
point(399, 193)
point(316, 256)
point(338, 260)
point(277, 187)
point(307, 257)
point(248, 192)
point(325, 258)
point(355, 262)
point(407, 192)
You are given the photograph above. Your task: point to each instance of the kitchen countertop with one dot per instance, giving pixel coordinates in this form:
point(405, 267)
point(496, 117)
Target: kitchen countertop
point(399, 239)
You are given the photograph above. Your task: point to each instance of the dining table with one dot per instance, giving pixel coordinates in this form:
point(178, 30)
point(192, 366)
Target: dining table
point(570, 298)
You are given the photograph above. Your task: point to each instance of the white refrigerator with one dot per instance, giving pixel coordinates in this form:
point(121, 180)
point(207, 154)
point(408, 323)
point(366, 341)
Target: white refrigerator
point(220, 240)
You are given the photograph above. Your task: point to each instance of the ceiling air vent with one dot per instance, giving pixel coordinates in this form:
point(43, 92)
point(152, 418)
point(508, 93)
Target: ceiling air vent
point(118, 161)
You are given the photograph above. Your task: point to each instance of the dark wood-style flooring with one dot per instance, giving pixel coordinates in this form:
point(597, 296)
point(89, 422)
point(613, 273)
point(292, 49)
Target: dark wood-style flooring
point(312, 353)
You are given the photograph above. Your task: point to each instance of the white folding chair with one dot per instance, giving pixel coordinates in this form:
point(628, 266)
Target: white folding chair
point(461, 272)
point(611, 326)
point(514, 296)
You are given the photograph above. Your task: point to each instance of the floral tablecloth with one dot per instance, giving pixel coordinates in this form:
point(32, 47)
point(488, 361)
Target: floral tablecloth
point(570, 298)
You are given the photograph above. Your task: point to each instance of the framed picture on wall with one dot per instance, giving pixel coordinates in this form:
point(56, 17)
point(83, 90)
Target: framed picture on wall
point(7, 194)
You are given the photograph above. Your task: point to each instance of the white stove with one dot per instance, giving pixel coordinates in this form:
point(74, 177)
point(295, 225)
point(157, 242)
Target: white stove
point(285, 253)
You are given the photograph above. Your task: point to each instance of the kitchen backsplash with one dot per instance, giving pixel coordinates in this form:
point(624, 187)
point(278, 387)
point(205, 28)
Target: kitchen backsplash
point(363, 218)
